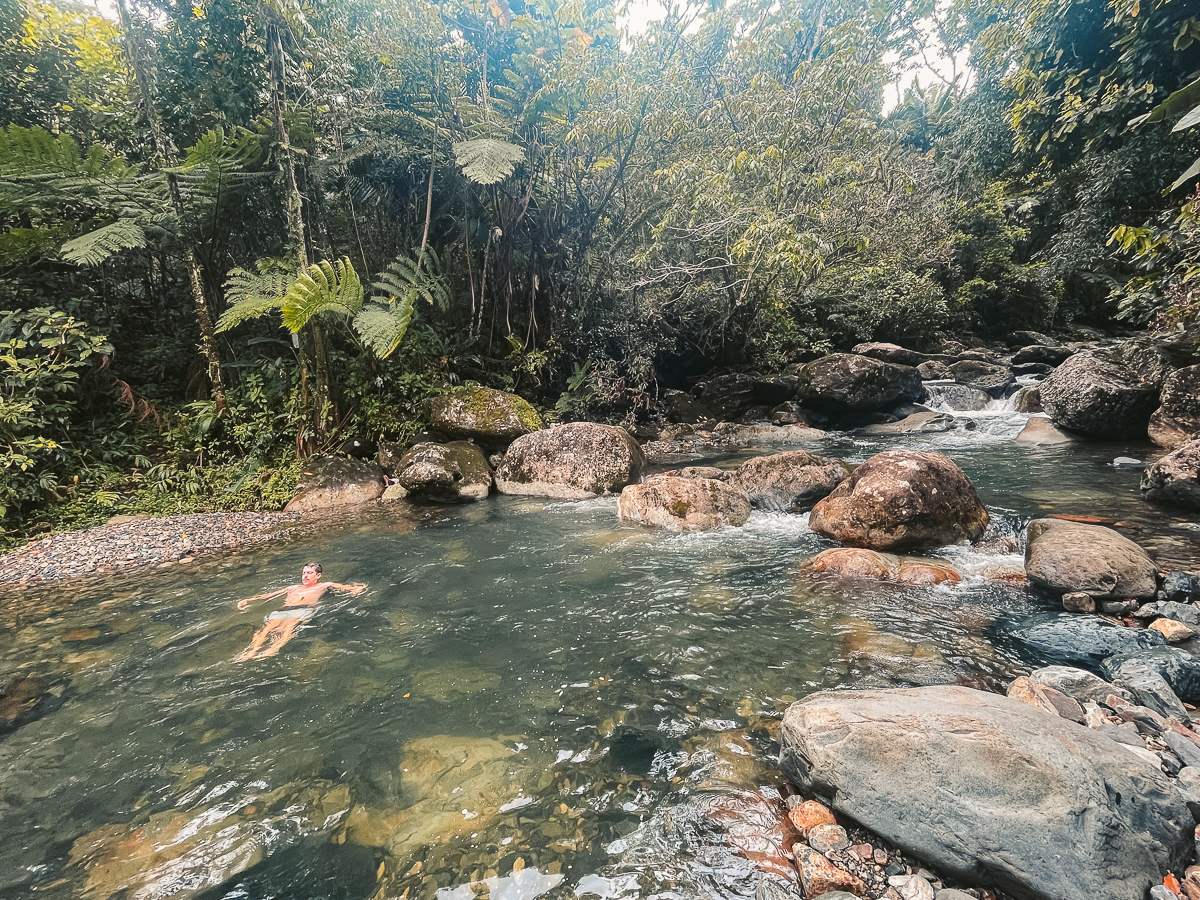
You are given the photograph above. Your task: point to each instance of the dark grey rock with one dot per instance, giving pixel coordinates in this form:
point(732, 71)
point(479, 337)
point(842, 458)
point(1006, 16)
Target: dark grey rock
point(1032, 369)
point(1175, 478)
point(1180, 669)
point(1182, 587)
point(1028, 338)
point(844, 382)
point(1099, 398)
point(1180, 612)
point(1038, 353)
point(984, 376)
point(1187, 752)
point(990, 790)
point(728, 396)
point(957, 397)
point(1149, 687)
point(1084, 641)
point(683, 408)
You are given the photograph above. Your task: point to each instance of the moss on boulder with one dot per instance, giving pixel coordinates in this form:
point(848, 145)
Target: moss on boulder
point(483, 413)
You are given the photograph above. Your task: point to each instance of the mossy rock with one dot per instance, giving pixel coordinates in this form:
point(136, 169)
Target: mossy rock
point(483, 413)
point(453, 473)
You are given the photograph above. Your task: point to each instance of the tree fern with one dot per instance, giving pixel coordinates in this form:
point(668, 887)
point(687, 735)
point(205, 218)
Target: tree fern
point(411, 280)
point(93, 248)
point(322, 288)
point(487, 160)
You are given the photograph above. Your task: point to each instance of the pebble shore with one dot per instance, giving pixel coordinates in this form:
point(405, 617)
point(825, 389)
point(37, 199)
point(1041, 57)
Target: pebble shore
point(139, 543)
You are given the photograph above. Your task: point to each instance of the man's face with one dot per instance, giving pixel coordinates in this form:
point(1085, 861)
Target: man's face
point(309, 576)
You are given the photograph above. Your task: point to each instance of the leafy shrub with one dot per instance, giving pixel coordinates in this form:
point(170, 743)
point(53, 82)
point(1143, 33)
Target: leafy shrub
point(876, 303)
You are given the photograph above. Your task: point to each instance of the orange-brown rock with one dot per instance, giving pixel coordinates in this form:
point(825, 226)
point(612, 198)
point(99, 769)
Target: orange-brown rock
point(682, 504)
point(852, 562)
point(902, 499)
point(819, 876)
point(1175, 632)
point(924, 573)
point(810, 814)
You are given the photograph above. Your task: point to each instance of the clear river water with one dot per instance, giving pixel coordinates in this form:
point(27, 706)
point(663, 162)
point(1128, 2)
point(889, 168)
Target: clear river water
point(529, 700)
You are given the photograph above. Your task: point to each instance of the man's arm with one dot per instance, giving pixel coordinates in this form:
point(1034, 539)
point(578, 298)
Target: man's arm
point(353, 589)
point(242, 604)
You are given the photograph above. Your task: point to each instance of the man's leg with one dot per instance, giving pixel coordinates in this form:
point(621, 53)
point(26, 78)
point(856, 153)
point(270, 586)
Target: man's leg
point(280, 636)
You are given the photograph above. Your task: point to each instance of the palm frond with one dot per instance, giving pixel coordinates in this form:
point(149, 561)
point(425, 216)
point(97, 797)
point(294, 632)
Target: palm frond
point(96, 246)
point(487, 160)
point(322, 288)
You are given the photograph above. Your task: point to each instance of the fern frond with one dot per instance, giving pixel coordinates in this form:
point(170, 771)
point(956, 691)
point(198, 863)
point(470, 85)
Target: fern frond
point(26, 151)
point(20, 244)
point(422, 278)
point(322, 288)
point(381, 328)
point(486, 160)
point(95, 247)
point(254, 294)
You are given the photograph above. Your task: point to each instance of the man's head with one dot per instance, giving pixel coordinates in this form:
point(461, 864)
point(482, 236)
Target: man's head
point(311, 574)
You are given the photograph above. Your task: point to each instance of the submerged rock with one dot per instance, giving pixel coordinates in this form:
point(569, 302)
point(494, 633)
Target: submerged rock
point(1041, 431)
point(902, 499)
point(477, 412)
point(683, 504)
point(1081, 640)
point(853, 562)
point(571, 462)
point(991, 790)
point(331, 481)
point(1065, 557)
point(792, 481)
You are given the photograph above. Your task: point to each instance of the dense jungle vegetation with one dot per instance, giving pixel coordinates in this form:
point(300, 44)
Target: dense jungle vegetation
point(236, 232)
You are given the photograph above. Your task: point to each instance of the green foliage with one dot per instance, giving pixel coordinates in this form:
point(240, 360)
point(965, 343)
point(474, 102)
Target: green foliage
point(252, 295)
point(855, 303)
point(487, 160)
point(323, 288)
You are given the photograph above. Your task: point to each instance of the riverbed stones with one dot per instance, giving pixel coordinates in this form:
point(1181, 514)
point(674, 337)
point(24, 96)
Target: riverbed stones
point(1065, 557)
point(1174, 479)
point(820, 876)
point(1080, 684)
point(846, 382)
point(571, 462)
point(1099, 398)
point(328, 482)
point(456, 472)
point(990, 790)
point(1179, 668)
point(682, 504)
point(1084, 641)
point(855, 562)
point(483, 413)
point(902, 499)
point(792, 481)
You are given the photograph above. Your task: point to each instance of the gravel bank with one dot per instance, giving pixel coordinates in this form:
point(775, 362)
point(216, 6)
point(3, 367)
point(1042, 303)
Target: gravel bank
point(139, 542)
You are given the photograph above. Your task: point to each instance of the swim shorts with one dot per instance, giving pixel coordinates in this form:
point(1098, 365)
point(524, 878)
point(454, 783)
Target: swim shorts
point(300, 613)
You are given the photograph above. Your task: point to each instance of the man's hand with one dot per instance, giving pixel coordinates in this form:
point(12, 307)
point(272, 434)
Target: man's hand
point(357, 588)
point(242, 604)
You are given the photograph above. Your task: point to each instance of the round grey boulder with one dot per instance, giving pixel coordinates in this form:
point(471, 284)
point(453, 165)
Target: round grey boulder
point(989, 377)
point(792, 481)
point(846, 382)
point(1099, 398)
point(990, 790)
point(571, 462)
point(456, 472)
point(682, 504)
point(1174, 479)
point(484, 413)
point(1067, 557)
point(328, 482)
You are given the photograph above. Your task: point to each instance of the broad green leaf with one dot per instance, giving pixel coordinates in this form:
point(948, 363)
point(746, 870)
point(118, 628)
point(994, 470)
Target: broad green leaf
point(1192, 171)
point(1186, 98)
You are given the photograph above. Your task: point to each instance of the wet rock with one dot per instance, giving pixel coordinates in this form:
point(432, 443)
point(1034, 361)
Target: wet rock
point(819, 876)
point(775, 390)
point(902, 499)
point(331, 481)
point(1182, 587)
point(999, 791)
point(1153, 358)
point(852, 562)
point(958, 397)
point(1031, 369)
point(1180, 669)
point(1039, 353)
point(1045, 698)
point(792, 481)
point(845, 382)
point(20, 698)
point(810, 814)
point(1177, 420)
point(1028, 399)
point(483, 413)
point(1099, 398)
point(767, 435)
point(456, 472)
point(684, 408)
point(792, 413)
point(993, 379)
point(933, 370)
point(571, 462)
point(1175, 478)
point(682, 504)
point(1077, 601)
point(1084, 641)
point(1080, 684)
point(1026, 338)
point(924, 573)
point(1040, 431)
point(922, 423)
point(1066, 557)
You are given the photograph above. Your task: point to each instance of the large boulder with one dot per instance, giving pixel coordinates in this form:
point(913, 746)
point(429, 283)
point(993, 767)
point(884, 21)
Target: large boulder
point(1067, 557)
point(990, 790)
point(1040, 353)
point(1099, 398)
point(1152, 358)
point(680, 407)
point(1177, 420)
point(456, 472)
point(792, 481)
point(1083, 641)
point(891, 353)
point(683, 504)
point(1175, 478)
point(728, 396)
point(902, 499)
point(328, 482)
point(845, 382)
point(571, 462)
point(988, 377)
point(483, 413)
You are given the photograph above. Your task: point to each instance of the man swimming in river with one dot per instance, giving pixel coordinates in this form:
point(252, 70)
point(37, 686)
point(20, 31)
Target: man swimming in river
point(299, 607)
